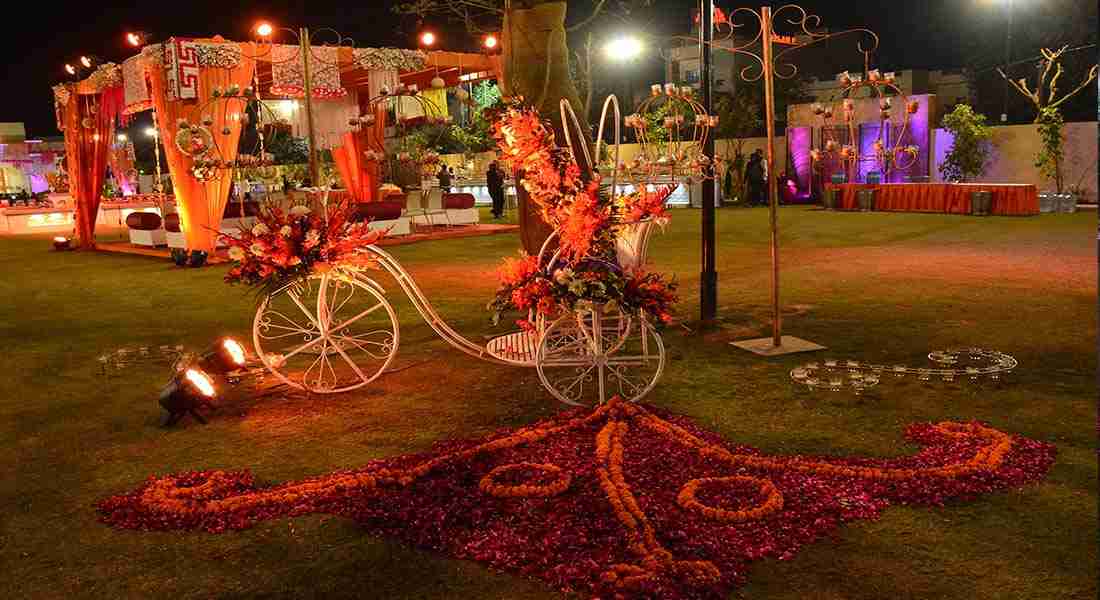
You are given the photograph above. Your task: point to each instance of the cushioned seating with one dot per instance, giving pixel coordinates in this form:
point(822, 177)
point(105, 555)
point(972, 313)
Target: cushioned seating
point(174, 235)
point(241, 209)
point(458, 201)
point(387, 215)
point(460, 209)
point(378, 211)
point(145, 229)
point(143, 221)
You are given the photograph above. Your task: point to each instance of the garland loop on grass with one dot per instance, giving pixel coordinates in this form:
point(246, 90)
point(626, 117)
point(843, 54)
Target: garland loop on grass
point(773, 500)
point(560, 483)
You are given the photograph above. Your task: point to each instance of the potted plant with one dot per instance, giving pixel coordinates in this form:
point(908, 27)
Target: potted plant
point(969, 153)
point(1044, 95)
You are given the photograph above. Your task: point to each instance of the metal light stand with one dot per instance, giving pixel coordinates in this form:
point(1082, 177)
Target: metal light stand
point(769, 66)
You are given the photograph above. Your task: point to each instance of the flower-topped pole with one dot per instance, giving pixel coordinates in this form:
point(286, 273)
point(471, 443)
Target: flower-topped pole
point(768, 65)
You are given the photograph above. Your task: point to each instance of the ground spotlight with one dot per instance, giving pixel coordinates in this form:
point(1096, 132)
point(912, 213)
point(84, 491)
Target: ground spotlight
point(62, 243)
point(190, 390)
point(225, 356)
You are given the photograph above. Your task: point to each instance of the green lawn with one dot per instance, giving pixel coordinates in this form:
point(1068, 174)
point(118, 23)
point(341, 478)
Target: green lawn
point(873, 287)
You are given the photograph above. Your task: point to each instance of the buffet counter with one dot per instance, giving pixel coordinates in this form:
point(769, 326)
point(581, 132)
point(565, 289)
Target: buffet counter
point(32, 219)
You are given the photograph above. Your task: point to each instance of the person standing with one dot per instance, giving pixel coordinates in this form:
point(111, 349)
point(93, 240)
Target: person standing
point(755, 178)
point(494, 178)
point(444, 177)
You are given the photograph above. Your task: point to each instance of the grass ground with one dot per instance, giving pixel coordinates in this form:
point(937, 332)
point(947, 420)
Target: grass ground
point(873, 287)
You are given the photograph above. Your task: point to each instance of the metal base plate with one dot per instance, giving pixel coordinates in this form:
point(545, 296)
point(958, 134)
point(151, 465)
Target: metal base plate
point(789, 345)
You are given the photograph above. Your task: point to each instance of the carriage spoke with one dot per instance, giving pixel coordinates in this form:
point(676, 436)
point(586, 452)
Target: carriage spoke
point(304, 347)
point(350, 362)
point(305, 311)
point(381, 349)
point(352, 320)
point(577, 379)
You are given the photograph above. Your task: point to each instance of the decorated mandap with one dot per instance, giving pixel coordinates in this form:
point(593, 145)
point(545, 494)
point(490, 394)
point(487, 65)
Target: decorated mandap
point(216, 102)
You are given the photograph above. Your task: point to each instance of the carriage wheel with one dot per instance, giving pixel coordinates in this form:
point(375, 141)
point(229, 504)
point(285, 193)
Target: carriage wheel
point(587, 357)
point(331, 333)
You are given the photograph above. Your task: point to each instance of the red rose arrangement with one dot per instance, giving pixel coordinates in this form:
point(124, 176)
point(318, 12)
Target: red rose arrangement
point(286, 245)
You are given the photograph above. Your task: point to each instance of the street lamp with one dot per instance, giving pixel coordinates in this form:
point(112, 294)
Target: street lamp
point(87, 62)
point(134, 39)
point(71, 70)
point(427, 39)
point(264, 29)
point(490, 42)
point(121, 137)
point(624, 48)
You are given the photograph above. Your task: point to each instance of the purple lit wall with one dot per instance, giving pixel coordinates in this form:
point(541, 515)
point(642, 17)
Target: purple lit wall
point(39, 184)
point(868, 133)
point(919, 135)
point(799, 143)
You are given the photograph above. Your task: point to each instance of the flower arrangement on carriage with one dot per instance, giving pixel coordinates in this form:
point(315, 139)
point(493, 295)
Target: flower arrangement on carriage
point(284, 247)
point(587, 271)
point(593, 310)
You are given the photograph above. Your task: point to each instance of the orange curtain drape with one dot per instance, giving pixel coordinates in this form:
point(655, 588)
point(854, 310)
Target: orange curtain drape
point(89, 130)
point(954, 198)
point(375, 140)
point(350, 158)
point(201, 204)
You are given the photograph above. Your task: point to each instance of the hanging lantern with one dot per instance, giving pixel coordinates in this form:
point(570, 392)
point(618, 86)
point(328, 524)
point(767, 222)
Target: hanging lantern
point(438, 83)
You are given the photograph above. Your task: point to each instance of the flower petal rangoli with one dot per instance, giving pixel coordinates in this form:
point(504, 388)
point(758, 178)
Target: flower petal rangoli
point(621, 500)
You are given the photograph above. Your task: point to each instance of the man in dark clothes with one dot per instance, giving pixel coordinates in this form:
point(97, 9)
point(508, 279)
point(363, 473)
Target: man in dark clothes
point(444, 177)
point(494, 178)
point(754, 178)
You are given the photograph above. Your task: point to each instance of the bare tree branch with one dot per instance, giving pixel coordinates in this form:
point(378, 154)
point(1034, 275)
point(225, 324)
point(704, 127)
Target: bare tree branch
point(584, 23)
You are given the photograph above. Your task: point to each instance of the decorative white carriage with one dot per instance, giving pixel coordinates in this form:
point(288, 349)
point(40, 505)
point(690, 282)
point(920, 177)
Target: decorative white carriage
point(337, 331)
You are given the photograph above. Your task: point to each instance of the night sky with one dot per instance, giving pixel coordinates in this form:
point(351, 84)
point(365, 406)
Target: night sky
point(921, 34)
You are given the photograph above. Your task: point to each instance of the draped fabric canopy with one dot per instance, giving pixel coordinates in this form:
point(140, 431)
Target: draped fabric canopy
point(88, 117)
point(201, 203)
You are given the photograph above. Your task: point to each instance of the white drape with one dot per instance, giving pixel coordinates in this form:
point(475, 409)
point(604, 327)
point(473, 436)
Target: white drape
point(330, 117)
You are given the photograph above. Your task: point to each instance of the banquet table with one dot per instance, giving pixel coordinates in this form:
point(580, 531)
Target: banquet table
point(952, 198)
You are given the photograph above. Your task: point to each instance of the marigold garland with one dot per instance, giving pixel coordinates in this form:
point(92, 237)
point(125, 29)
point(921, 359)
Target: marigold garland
point(773, 499)
point(560, 483)
point(960, 460)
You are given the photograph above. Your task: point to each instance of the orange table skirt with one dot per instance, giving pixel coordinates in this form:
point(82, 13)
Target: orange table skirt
point(954, 198)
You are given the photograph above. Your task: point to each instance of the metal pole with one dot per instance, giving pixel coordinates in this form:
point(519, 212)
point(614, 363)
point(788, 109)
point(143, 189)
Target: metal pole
point(1008, 60)
point(307, 78)
point(773, 184)
point(156, 152)
point(708, 280)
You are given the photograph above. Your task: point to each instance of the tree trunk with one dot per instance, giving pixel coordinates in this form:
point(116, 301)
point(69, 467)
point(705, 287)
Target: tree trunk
point(536, 66)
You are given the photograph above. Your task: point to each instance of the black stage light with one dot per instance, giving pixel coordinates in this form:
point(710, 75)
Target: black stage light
point(190, 390)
